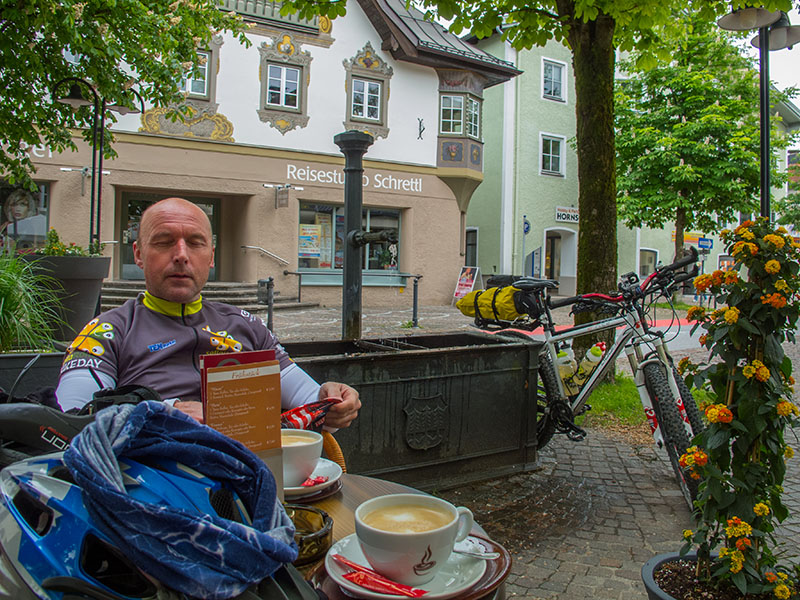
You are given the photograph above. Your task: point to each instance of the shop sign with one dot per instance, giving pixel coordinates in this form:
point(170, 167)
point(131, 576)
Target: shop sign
point(309, 241)
point(376, 181)
point(567, 214)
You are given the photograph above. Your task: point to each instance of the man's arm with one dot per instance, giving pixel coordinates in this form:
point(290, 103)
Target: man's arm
point(298, 388)
point(77, 387)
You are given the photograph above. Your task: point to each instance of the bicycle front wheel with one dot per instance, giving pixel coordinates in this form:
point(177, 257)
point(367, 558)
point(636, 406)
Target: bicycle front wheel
point(690, 404)
point(676, 441)
point(547, 397)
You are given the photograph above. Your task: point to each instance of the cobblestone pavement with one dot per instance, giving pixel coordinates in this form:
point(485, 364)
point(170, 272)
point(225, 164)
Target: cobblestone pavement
point(583, 524)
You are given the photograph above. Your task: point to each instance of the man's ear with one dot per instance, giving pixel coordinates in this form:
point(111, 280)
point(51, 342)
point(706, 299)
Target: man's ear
point(137, 255)
point(213, 252)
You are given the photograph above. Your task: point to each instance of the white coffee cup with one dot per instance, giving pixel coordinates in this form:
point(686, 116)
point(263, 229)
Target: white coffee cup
point(409, 537)
point(301, 452)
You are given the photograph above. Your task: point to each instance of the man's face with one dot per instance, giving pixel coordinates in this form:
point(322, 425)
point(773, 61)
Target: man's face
point(175, 251)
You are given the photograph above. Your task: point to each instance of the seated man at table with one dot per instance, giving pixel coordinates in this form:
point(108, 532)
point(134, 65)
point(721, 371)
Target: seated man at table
point(156, 339)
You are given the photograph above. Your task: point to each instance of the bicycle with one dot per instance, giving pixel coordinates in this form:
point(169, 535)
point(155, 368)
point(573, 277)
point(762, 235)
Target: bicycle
point(671, 410)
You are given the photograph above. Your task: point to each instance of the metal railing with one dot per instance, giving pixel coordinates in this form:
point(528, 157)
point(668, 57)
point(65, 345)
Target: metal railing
point(273, 256)
point(266, 10)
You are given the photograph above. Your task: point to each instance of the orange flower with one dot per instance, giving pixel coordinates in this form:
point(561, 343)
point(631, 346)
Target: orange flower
point(702, 282)
point(775, 240)
point(702, 339)
point(731, 277)
point(762, 373)
point(742, 544)
point(775, 300)
point(770, 577)
point(717, 277)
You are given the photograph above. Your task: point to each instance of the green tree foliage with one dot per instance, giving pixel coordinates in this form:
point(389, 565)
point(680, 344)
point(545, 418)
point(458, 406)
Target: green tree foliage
point(593, 30)
point(147, 44)
point(688, 134)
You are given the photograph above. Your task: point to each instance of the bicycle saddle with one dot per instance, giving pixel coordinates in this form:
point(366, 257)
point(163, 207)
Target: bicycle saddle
point(527, 284)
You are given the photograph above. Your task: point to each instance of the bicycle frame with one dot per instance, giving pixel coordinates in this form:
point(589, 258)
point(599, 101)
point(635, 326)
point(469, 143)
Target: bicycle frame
point(634, 334)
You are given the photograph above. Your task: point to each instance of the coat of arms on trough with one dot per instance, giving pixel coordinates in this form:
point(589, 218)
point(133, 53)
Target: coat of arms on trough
point(426, 419)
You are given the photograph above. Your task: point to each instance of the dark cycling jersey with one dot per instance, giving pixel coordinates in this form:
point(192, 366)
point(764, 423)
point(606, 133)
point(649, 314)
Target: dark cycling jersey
point(152, 342)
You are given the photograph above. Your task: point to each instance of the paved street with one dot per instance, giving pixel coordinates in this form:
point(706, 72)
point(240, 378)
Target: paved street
point(582, 525)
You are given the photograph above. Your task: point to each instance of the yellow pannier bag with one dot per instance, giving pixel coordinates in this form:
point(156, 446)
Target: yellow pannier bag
point(496, 303)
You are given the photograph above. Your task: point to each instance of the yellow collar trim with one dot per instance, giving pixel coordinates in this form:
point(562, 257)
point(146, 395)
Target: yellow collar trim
point(171, 309)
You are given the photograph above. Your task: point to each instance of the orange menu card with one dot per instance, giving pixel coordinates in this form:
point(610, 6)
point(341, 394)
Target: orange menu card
point(243, 401)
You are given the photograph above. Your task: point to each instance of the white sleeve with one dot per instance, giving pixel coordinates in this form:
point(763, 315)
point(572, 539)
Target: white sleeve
point(297, 387)
point(76, 388)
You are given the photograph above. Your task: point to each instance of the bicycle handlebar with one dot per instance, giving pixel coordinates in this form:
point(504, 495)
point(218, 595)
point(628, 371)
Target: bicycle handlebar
point(681, 262)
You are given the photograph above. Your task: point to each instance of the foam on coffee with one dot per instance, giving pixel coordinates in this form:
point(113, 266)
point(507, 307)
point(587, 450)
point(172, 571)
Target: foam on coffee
point(295, 439)
point(407, 518)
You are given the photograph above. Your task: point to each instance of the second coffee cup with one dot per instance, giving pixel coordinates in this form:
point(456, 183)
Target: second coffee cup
point(409, 537)
point(301, 452)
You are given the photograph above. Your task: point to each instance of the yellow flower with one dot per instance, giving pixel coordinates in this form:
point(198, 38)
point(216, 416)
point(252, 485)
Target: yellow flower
point(785, 408)
point(687, 534)
point(772, 266)
point(788, 453)
point(781, 285)
point(731, 277)
point(702, 282)
point(775, 240)
point(781, 591)
point(731, 315)
point(738, 528)
point(749, 371)
point(761, 509)
point(748, 235)
point(781, 230)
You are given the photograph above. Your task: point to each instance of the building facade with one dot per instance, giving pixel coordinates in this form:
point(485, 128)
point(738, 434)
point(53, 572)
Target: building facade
point(257, 153)
point(524, 216)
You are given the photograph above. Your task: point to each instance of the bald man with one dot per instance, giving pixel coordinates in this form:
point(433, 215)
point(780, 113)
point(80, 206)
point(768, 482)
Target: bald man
point(156, 339)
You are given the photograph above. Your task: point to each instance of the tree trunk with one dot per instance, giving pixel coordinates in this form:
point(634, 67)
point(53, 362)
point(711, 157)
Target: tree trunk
point(680, 231)
point(592, 45)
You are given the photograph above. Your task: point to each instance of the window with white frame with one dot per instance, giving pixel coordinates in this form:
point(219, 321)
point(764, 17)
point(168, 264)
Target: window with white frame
point(367, 79)
point(366, 102)
point(452, 114)
point(195, 82)
point(283, 86)
point(473, 118)
point(285, 72)
point(553, 80)
point(552, 152)
point(459, 115)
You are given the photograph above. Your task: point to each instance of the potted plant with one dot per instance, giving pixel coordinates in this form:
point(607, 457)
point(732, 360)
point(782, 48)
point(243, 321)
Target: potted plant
point(29, 308)
point(79, 273)
point(740, 457)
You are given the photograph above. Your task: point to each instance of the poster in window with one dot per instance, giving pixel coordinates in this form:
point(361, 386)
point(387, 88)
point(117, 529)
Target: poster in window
point(466, 281)
point(325, 223)
point(308, 241)
point(22, 223)
point(339, 249)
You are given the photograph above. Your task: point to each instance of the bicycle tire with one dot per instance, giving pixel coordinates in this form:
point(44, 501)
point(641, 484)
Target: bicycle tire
point(546, 391)
point(690, 404)
point(545, 423)
point(676, 440)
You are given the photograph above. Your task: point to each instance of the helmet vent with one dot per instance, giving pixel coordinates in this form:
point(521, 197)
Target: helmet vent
point(224, 503)
point(63, 473)
point(109, 567)
point(37, 515)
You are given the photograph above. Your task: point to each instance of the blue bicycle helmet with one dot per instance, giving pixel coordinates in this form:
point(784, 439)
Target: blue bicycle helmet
point(50, 547)
point(165, 531)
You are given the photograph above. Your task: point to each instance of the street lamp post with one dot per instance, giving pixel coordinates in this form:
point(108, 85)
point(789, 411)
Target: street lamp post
point(775, 32)
point(76, 99)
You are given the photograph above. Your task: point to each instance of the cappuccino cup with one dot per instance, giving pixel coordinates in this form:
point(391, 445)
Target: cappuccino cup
point(301, 452)
point(409, 537)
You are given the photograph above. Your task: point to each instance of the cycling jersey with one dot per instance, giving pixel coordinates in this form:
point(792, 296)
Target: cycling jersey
point(155, 343)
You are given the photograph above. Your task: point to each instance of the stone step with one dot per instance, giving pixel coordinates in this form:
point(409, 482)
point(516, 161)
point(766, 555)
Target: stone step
point(252, 307)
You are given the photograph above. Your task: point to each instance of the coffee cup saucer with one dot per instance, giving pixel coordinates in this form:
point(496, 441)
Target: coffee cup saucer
point(325, 468)
point(456, 576)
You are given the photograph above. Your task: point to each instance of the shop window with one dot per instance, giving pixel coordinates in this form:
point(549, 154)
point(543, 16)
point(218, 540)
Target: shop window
point(321, 237)
point(552, 162)
point(367, 84)
point(553, 81)
point(285, 73)
point(459, 115)
point(24, 221)
point(471, 247)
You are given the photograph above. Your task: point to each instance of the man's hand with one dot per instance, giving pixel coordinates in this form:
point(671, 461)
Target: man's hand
point(340, 414)
point(191, 408)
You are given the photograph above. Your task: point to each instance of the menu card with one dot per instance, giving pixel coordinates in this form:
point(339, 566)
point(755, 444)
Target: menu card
point(242, 400)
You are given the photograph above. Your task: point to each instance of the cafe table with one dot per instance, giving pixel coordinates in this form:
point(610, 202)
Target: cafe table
point(341, 507)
